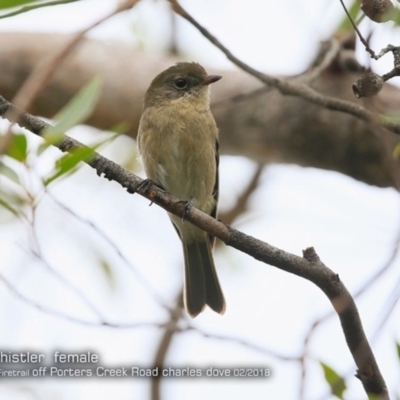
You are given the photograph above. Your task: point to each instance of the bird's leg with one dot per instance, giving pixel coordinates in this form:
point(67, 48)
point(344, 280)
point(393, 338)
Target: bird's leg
point(145, 186)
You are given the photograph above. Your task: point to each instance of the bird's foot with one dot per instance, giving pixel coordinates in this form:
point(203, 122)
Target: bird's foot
point(144, 185)
point(188, 206)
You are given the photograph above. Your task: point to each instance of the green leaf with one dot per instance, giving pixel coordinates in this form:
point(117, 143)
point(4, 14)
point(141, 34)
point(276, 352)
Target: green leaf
point(75, 112)
point(398, 350)
point(68, 163)
point(9, 173)
point(14, 3)
point(27, 6)
point(17, 147)
point(335, 381)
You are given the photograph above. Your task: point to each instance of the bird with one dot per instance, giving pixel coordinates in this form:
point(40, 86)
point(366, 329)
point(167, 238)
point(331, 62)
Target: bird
point(178, 146)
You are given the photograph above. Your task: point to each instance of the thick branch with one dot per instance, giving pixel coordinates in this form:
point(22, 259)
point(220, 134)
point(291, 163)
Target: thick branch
point(309, 267)
point(254, 120)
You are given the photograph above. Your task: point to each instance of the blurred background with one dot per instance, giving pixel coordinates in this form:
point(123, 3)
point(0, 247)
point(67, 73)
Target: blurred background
point(87, 267)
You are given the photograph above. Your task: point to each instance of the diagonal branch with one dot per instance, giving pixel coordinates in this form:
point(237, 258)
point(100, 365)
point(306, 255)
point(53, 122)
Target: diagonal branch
point(308, 267)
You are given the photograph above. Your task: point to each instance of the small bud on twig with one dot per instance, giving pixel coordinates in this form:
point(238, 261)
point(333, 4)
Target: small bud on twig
point(377, 10)
point(368, 85)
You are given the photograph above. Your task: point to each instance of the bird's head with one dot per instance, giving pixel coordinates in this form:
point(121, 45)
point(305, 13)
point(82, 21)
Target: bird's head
point(184, 80)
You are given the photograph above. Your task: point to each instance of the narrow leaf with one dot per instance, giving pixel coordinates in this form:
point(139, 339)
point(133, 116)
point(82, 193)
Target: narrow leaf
point(14, 3)
point(27, 5)
point(69, 162)
point(17, 147)
point(76, 111)
point(335, 381)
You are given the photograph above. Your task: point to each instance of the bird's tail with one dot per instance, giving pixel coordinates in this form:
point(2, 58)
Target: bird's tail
point(201, 281)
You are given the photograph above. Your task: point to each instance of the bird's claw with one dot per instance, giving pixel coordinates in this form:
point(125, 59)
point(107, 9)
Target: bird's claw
point(144, 185)
point(188, 206)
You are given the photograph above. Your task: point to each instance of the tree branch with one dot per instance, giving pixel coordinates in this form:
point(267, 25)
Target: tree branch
point(308, 267)
point(286, 87)
point(260, 124)
point(363, 41)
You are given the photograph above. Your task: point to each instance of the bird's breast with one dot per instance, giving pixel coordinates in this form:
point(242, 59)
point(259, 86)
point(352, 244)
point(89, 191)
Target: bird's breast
point(178, 150)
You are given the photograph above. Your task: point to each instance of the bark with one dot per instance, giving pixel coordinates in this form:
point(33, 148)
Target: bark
point(254, 120)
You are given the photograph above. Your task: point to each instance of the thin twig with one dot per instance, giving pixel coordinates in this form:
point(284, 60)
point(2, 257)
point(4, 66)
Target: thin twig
point(36, 252)
point(165, 344)
point(143, 281)
point(242, 201)
point(387, 309)
point(286, 87)
point(363, 41)
point(241, 342)
point(58, 314)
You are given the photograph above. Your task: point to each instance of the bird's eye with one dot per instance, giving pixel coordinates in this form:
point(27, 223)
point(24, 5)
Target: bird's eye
point(181, 83)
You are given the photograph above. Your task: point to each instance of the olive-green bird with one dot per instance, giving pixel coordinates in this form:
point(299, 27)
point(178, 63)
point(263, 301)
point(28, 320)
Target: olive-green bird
point(178, 143)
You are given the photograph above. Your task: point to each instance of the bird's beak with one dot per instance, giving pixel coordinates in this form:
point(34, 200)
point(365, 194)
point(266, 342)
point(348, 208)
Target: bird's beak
point(211, 79)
